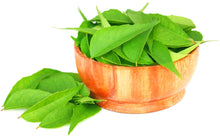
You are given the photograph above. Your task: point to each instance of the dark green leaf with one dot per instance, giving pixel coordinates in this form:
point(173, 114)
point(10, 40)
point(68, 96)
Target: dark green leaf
point(110, 38)
point(37, 112)
point(133, 48)
point(114, 16)
point(195, 35)
point(57, 82)
point(109, 58)
point(25, 98)
point(161, 55)
point(58, 117)
point(82, 112)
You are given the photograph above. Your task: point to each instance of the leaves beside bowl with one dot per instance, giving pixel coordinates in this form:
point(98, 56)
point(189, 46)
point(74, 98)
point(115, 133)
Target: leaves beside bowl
point(53, 98)
point(133, 38)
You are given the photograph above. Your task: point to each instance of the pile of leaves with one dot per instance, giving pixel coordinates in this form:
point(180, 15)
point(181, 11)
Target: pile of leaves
point(53, 98)
point(134, 38)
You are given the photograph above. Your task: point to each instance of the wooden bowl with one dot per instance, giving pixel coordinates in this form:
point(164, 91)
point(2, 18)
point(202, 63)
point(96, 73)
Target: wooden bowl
point(135, 89)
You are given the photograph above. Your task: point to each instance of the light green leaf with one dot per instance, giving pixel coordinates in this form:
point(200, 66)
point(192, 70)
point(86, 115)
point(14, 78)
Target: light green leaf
point(31, 82)
point(85, 100)
point(75, 76)
point(58, 117)
point(110, 38)
point(195, 35)
point(145, 59)
point(25, 98)
point(84, 30)
point(83, 16)
point(84, 46)
point(139, 17)
point(37, 112)
point(57, 82)
point(182, 22)
point(145, 6)
point(114, 16)
point(161, 55)
point(103, 20)
point(170, 34)
point(82, 112)
point(181, 54)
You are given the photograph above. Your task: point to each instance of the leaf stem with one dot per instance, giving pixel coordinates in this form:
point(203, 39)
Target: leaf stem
point(142, 10)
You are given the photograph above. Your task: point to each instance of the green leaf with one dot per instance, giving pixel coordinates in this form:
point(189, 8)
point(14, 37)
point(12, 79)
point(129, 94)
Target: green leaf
point(145, 59)
point(170, 34)
point(75, 76)
point(103, 20)
point(84, 30)
point(83, 16)
point(25, 98)
point(31, 82)
point(110, 38)
point(114, 16)
point(82, 112)
point(182, 22)
point(84, 91)
point(195, 35)
point(161, 55)
point(109, 58)
point(85, 100)
point(58, 117)
point(133, 48)
point(84, 46)
point(139, 17)
point(145, 6)
point(183, 53)
point(37, 112)
point(57, 82)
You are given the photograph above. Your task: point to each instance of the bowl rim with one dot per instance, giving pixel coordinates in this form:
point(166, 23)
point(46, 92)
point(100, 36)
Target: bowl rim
point(77, 49)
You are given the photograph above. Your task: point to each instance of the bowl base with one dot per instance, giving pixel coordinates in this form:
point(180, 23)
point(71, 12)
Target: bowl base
point(151, 106)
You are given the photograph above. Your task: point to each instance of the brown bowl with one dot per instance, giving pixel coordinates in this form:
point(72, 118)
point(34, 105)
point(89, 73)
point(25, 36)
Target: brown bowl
point(135, 89)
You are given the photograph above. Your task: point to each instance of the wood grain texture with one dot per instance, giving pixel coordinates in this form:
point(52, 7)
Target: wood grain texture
point(135, 89)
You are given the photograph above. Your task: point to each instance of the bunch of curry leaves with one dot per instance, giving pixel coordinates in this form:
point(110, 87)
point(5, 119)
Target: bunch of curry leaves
point(134, 38)
point(53, 98)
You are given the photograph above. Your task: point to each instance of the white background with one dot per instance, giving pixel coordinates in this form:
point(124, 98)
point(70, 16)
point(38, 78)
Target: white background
point(28, 42)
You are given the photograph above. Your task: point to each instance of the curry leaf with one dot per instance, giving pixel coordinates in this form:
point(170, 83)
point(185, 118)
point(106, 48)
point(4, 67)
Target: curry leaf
point(181, 54)
point(58, 117)
point(182, 22)
point(37, 112)
point(103, 20)
point(145, 59)
point(82, 112)
point(134, 48)
point(25, 98)
point(161, 55)
point(75, 76)
point(109, 58)
point(138, 17)
point(169, 33)
point(114, 16)
point(84, 46)
point(110, 38)
point(83, 16)
point(145, 6)
point(84, 30)
point(57, 82)
point(195, 35)
point(31, 81)
point(85, 100)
